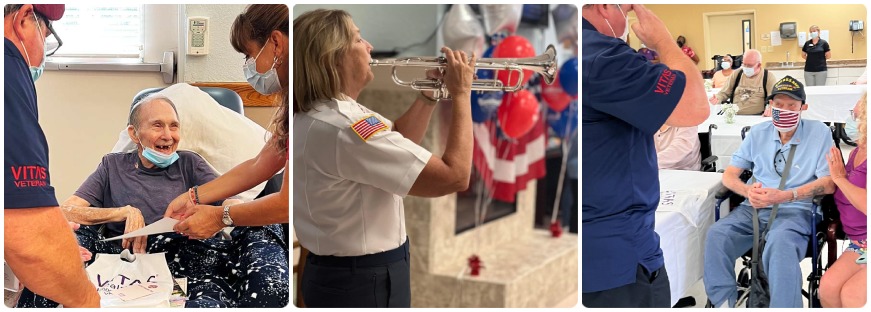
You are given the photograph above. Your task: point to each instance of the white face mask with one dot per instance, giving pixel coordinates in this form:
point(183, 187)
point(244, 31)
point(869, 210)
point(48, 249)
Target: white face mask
point(814, 34)
point(625, 29)
point(749, 71)
point(725, 65)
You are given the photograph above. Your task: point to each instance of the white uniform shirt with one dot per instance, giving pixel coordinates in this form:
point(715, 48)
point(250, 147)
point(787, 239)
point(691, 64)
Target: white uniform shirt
point(350, 173)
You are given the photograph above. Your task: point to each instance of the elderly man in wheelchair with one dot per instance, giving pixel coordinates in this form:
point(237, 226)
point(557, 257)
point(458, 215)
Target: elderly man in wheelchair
point(787, 158)
point(242, 267)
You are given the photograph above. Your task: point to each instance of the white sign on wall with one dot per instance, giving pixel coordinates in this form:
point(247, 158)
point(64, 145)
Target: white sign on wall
point(775, 38)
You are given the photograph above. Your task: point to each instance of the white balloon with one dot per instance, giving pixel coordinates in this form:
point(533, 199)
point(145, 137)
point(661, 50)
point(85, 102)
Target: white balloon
point(462, 31)
point(565, 17)
point(501, 17)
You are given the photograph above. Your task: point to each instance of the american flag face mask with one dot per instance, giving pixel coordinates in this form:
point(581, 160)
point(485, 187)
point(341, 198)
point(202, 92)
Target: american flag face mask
point(785, 120)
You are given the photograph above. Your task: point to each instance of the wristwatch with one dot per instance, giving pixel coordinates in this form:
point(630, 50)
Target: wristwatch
point(226, 218)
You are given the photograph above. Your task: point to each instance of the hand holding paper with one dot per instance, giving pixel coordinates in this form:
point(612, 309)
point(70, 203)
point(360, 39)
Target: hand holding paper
point(161, 226)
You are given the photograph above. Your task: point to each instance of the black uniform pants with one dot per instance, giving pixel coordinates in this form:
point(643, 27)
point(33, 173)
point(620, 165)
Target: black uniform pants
point(650, 290)
point(377, 280)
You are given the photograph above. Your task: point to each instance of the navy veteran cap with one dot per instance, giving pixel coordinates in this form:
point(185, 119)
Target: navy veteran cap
point(789, 86)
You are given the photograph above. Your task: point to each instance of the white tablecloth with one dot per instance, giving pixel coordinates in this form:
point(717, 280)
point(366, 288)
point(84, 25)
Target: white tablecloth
point(727, 137)
point(832, 103)
point(682, 230)
point(827, 103)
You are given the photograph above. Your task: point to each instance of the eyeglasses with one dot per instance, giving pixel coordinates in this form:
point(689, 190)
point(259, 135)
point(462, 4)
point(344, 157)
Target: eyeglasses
point(780, 160)
point(53, 42)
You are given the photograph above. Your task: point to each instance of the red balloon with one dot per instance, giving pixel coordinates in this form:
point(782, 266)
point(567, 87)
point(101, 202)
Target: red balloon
point(554, 95)
point(518, 113)
point(513, 47)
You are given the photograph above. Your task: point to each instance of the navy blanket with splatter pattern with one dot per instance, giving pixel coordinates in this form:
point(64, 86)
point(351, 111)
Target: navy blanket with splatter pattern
point(251, 270)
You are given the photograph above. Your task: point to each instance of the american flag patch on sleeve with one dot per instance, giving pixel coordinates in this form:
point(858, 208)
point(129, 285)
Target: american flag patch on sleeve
point(367, 127)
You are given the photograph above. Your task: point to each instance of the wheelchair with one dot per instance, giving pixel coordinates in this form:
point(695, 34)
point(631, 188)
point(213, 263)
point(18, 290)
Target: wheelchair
point(709, 160)
point(827, 231)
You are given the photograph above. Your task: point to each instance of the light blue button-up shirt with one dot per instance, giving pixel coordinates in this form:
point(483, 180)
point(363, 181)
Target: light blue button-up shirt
point(759, 153)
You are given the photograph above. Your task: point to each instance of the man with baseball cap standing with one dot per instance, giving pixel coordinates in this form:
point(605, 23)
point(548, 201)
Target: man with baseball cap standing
point(40, 248)
point(787, 156)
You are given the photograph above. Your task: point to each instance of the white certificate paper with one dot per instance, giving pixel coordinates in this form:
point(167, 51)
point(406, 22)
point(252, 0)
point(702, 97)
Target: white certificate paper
point(161, 226)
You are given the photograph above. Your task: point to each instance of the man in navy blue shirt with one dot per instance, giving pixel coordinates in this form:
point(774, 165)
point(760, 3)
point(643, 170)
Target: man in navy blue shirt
point(625, 100)
point(40, 247)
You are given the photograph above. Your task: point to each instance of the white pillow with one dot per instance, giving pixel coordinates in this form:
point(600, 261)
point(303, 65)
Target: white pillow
point(224, 138)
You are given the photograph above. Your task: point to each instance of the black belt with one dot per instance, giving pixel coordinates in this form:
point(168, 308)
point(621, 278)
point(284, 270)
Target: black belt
point(377, 259)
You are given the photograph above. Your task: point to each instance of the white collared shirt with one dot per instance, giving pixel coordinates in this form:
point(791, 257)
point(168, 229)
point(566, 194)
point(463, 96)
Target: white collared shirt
point(348, 182)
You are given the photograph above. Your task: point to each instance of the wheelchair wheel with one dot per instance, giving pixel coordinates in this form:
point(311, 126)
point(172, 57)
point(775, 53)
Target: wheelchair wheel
point(813, 294)
point(743, 295)
point(744, 278)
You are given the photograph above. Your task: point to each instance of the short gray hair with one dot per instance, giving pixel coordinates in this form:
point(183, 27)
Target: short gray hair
point(754, 51)
point(134, 118)
point(11, 8)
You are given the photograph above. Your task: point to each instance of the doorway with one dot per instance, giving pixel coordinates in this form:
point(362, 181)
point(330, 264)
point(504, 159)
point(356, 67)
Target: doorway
point(728, 33)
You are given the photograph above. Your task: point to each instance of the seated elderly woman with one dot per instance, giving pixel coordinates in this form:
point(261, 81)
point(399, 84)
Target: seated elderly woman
point(678, 148)
point(722, 75)
point(132, 189)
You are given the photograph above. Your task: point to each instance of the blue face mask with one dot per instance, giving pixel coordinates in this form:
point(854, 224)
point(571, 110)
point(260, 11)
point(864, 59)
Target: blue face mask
point(265, 83)
point(159, 159)
point(850, 127)
point(35, 72)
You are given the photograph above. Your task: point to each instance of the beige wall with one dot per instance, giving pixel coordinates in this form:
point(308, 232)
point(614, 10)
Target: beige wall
point(687, 20)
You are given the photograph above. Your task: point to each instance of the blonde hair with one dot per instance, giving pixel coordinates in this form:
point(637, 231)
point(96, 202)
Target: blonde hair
point(861, 120)
point(814, 27)
point(256, 24)
point(321, 38)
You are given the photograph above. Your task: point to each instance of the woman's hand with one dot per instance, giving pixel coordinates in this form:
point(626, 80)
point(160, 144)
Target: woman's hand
point(459, 72)
point(179, 206)
point(83, 252)
point(201, 222)
point(134, 221)
point(836, 165)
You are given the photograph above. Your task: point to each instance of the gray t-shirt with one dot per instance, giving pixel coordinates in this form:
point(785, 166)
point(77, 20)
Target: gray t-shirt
point(121, 179)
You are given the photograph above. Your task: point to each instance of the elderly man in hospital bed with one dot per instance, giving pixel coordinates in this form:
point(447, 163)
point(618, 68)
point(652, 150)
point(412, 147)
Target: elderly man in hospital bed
point(249, 270)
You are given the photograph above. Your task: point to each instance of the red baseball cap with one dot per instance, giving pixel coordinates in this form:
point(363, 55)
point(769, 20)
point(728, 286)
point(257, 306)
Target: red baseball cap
point(51, 11)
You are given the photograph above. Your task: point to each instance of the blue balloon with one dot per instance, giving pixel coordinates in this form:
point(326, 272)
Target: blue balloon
point(485, 104)
point(568, 76)
point(558, 121)
point(483, 73)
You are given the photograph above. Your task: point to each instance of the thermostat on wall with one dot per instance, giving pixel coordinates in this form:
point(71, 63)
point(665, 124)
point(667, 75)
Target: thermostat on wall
point(198, 35)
